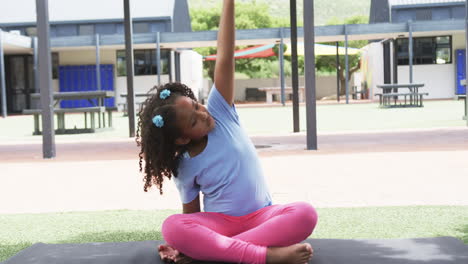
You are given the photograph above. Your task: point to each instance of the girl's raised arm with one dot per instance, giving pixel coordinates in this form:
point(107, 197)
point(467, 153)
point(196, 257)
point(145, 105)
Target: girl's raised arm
point(224, 68)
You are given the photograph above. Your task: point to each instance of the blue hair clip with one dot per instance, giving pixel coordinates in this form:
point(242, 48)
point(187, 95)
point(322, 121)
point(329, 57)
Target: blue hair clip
point(158, 121)
point(164, 94)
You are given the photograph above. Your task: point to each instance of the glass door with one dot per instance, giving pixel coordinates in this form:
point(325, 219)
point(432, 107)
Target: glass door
point(20, 82)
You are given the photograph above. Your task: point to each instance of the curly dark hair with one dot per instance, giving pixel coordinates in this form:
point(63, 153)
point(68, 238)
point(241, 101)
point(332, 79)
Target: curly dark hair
point(158, 148)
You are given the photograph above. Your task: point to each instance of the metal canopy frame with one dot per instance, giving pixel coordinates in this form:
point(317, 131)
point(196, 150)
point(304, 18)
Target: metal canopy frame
point(466, 62)
point(45, 79)
point(310, 85)
point(129, 68)
point(2, 78)
point(208, 38)
point(174, 40)
point(294, 64)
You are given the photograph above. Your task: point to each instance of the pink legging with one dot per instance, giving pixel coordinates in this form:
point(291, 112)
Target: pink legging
point(244, 239)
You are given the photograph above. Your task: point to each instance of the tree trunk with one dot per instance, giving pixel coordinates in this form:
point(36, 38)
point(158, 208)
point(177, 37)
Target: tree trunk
point(343, 79)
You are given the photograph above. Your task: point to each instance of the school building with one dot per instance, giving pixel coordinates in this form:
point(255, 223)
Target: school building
point(80, 32)
point(438, 56)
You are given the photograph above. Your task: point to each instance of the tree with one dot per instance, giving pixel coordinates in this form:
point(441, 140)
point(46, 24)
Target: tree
point(249, 15)
point(328, 63)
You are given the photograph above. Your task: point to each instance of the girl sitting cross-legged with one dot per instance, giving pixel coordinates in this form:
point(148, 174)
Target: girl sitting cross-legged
point(205, 149)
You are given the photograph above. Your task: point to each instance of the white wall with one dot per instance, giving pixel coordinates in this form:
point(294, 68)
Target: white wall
point(458, 41)
point(372, 67)
point(439, 80)
point(191, 71)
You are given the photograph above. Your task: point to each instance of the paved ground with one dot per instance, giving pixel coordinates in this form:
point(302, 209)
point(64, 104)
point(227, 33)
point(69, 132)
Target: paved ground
point(412, 167)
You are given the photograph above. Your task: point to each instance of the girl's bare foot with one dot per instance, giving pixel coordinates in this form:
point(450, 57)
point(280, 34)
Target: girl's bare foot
point(169, 254)
point(295, 254)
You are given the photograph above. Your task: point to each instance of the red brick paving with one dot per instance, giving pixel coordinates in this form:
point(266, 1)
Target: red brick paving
point(294, 144)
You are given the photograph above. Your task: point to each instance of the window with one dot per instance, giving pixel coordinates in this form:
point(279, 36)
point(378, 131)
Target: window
point(144, 62)
point(458, 12)
point(55, 65)
point(106, 29)
point(86, 30)
point(66, 30)
point(441, 13)
point(402, 16)
point(158, 27)
point(141, 27)
point(423, 14)
point(426, 50)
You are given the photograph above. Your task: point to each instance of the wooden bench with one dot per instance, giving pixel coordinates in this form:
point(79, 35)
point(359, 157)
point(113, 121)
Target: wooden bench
point(270, 91)
point(355, 93)
point(125, 106)
point(60, 112)
point(385, 99)
point(253, 94)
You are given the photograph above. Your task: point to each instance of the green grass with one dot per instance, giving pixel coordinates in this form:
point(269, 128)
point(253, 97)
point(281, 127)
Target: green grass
point(355, 117)
point(21, 231)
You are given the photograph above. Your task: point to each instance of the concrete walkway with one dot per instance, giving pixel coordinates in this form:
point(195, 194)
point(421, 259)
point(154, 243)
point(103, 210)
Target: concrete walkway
point(413, 167)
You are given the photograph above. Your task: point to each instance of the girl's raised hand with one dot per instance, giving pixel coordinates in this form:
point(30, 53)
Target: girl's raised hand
point(225, 67)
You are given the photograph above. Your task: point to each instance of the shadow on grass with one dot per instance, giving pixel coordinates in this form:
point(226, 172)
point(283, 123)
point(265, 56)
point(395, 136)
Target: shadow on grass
point(460, 233)
point(8, 251)
point(464, 234)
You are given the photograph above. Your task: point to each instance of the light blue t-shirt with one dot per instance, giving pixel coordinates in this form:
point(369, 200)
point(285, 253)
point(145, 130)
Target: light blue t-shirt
point(228, 171)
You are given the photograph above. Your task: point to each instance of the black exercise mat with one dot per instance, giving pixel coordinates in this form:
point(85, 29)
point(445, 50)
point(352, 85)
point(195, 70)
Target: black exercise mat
point(440, 250)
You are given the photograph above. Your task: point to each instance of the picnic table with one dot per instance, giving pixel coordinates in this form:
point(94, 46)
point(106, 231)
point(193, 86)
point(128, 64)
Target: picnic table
point(139, 104)
point(270, 91)
point(462, 96)
point(390, 93)
point(60, 112)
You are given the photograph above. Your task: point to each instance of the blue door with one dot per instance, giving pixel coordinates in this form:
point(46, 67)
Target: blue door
point(83, 78)
point(461, 70)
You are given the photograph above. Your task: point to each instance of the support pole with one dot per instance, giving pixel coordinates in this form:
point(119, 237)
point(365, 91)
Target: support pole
point(36, 66)
point(309, 47)
point(2, 79)
point(281, 66)
point(395, 62)
point(172, 66)
point(98, 65)
point(346, 64)
point(410, 51)
point(98, 80)
point(130, 69)
point(294, 64)
point(36, 72)
point(466, 62)
point(337, 72)
point(158, 56)
point(45, 79)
